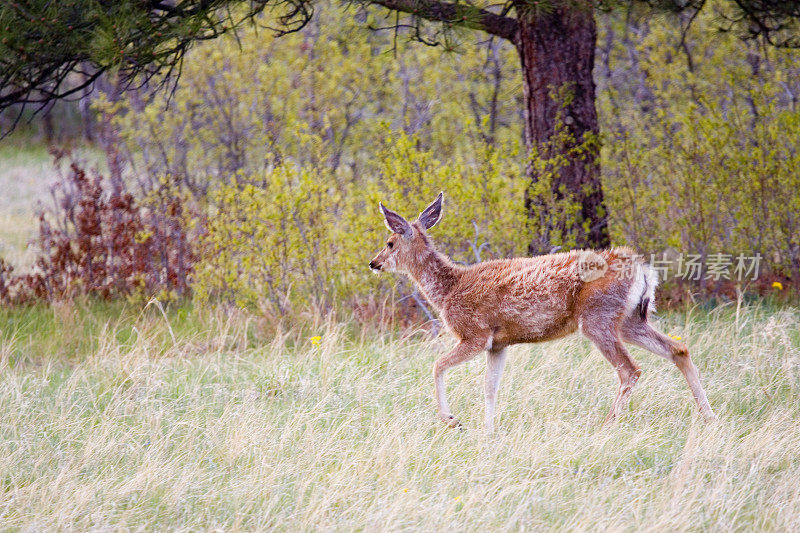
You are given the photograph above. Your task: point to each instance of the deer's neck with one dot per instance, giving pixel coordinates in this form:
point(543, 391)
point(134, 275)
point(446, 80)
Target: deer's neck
point(435, 276)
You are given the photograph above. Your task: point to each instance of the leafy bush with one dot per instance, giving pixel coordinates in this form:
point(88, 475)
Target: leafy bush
point(291, 236)
point(270, 246)
point(319, 99)
point(701, 144)
point(99, 240)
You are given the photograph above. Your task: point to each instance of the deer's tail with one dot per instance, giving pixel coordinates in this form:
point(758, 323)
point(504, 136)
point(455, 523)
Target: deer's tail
point(641, 293)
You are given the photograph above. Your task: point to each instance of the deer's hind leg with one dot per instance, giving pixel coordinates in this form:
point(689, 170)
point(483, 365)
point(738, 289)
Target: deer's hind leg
point(605, 336)
point(636, 331)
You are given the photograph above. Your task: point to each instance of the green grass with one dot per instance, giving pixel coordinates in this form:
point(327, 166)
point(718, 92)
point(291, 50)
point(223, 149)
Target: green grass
point(113, 417)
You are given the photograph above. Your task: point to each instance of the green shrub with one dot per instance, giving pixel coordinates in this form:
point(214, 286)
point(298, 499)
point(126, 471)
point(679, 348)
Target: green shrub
point(291, 236)
point(700, 153)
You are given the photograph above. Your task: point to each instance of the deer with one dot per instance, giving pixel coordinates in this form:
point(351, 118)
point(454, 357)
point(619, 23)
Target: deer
point(607, 295)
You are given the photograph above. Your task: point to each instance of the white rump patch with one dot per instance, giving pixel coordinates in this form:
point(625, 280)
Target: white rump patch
point(645, 281)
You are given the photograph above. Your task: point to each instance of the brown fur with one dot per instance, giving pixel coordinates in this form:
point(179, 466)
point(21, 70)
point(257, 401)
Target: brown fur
point(495, 304)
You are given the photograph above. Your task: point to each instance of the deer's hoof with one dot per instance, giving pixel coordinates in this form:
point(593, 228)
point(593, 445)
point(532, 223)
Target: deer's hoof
point(709, 416)
point(450, 420)
point(610, 420)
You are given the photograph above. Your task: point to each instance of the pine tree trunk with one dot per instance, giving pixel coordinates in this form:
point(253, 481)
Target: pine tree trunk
point(557, 52)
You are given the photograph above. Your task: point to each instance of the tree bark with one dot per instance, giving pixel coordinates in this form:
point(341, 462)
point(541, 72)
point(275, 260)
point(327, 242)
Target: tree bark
point(557, 51)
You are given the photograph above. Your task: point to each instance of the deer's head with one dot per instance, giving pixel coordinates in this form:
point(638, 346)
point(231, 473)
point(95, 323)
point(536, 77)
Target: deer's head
point(408, 242)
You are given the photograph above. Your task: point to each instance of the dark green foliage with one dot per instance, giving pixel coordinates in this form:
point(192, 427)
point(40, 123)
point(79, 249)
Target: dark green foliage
point(51, 50)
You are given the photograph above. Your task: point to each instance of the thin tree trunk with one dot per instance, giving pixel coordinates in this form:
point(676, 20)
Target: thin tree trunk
point(557, 51)
point(85, 106)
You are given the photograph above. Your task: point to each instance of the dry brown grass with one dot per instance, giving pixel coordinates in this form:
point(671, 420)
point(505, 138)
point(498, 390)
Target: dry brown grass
point(107, 422)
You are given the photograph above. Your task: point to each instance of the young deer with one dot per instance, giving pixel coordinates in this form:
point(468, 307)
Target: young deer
point(606, 295)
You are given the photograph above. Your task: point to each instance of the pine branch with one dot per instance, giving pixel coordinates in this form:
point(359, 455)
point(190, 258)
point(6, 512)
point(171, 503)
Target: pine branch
point(464, 15)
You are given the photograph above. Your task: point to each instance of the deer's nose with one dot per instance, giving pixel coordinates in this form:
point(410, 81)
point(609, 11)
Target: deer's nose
point(374, 266)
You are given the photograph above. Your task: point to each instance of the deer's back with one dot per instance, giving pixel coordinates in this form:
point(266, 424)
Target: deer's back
point(527, 299)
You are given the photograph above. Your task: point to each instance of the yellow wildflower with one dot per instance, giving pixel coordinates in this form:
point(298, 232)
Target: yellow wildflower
point(676, 337)
point(315, 340)
point(777, 285)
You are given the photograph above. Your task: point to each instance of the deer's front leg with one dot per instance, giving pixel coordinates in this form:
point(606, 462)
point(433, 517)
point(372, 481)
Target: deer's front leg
point(465, 350)
point(495, 362)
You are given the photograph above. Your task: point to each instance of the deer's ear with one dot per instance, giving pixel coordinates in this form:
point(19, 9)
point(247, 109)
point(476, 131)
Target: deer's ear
point(432, 214)
point(396, 223)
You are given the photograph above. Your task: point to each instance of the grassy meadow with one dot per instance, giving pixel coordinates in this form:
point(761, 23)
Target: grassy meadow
point(126, 416)
point(115, 417)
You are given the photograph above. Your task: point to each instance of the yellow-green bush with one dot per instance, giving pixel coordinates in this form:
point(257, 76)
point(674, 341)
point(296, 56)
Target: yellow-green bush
point(289, 144)
point(270, 245)
point(700, 152)
point(317, 98)
point(483, 196)
point(293, 236)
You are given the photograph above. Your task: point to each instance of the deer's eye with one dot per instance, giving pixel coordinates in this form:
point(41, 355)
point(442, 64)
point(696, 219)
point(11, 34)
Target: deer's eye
point(390, 244)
